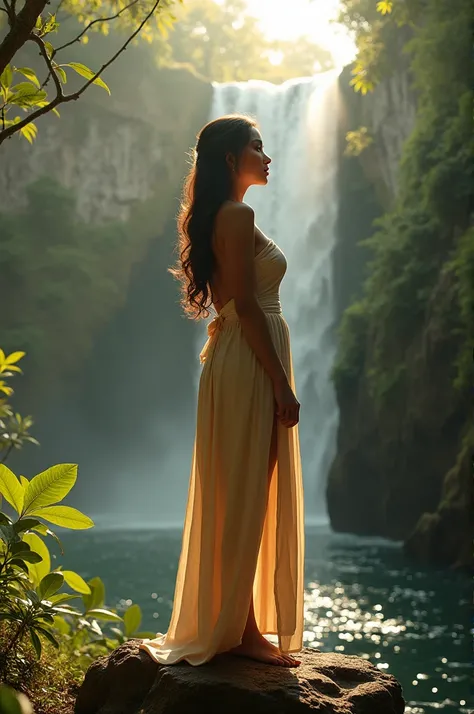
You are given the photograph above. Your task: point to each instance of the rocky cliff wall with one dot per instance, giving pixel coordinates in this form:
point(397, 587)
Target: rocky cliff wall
point(114, 151)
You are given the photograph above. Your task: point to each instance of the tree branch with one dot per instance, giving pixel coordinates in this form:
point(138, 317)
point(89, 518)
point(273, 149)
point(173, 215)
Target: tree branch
point(21, 28)
point(59, 90)
point(9, 12)
point(99, 19)
point(76, 39)
point(61, 98)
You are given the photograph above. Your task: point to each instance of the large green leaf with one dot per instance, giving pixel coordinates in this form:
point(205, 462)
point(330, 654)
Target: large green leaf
point(50, 486)
point(64, 516)
point(50, 585)
point(132, 618)
point(102, 614)
point(8, 534)
point(60, 624)
point(25, 89)
point(49, 48)
point(62, 74)
point(11, 489)
point(29, 74)
point(97, 598)
point(27, 95)
point(25, 524)
point(28, 556)
point(67, 610)
point(87, 73)
point(7, 76)
point(49, 636)
point(18, 547)
point(62, 597)
point(20, 564)
point(37, 571)
point(24, 481)
point(76, 582)
point(36, 642)
point(9, 702)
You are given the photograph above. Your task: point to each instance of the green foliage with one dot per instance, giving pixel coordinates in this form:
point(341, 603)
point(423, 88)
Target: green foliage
point(353, 333)
point(32, 96)
point(385, 7)
point(426, 238)
point(36, 614)
point(14, 429)
point(357, 141)
point(374, 26)
point(369, 24)
point(463, 268)
point(31, 600)
point(13, 702)
point(222, 42)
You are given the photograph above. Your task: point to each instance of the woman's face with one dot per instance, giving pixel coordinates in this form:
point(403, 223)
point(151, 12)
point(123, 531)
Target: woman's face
point(252, 168)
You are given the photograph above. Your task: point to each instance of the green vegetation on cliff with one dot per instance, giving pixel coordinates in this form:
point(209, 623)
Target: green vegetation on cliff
point(427, 234)
point(63, 277)
point(404, 365)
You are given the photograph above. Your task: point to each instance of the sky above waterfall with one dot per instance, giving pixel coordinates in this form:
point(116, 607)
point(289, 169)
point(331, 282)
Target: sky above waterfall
point(289, 19)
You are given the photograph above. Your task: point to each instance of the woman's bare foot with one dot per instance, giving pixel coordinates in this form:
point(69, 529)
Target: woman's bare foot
point(255, 646)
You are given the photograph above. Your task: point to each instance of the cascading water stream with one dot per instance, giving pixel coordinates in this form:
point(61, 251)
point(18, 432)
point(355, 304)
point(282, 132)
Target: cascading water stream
point(297, 209)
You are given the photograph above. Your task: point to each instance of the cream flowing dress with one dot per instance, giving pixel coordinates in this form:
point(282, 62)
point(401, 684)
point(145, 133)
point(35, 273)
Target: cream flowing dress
point(239, 536)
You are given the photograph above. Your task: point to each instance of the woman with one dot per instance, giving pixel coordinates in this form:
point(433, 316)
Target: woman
point(240, 573)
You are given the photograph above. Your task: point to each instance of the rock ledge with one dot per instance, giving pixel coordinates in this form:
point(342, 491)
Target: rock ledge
point(128, 681)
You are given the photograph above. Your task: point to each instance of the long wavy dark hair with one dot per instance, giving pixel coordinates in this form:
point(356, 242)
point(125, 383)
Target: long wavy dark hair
point(206, 187)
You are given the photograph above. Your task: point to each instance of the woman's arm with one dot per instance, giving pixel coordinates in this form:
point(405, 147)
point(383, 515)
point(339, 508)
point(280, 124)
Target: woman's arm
point(235, 233)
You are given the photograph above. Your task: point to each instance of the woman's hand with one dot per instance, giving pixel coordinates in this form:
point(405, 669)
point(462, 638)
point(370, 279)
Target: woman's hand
point(287, 405)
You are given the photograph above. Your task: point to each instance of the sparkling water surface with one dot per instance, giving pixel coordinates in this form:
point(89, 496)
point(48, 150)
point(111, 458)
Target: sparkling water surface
point(362, 598)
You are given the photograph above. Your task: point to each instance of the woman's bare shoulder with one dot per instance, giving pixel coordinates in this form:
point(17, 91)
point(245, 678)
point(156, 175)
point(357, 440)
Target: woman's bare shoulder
point(232, 211)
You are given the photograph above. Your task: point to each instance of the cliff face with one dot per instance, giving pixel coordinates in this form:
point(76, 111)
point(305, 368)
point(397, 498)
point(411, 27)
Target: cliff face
point(392, 460)
point(114, 151)
point(368, 183)
point(402, 463)
point(81, 207)
point(389, 113)
point(361, 494)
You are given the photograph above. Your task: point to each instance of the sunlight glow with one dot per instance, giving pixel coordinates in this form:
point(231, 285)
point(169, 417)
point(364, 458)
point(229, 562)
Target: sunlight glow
point(315, 18)
point(275, 58)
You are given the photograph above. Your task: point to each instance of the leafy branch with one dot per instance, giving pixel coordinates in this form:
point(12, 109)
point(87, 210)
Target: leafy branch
point(14, 429)
point(373, 25)
point(31, 96)
point(29, 593)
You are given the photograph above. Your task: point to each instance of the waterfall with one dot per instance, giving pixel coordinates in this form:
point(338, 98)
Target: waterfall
point(297, 209)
